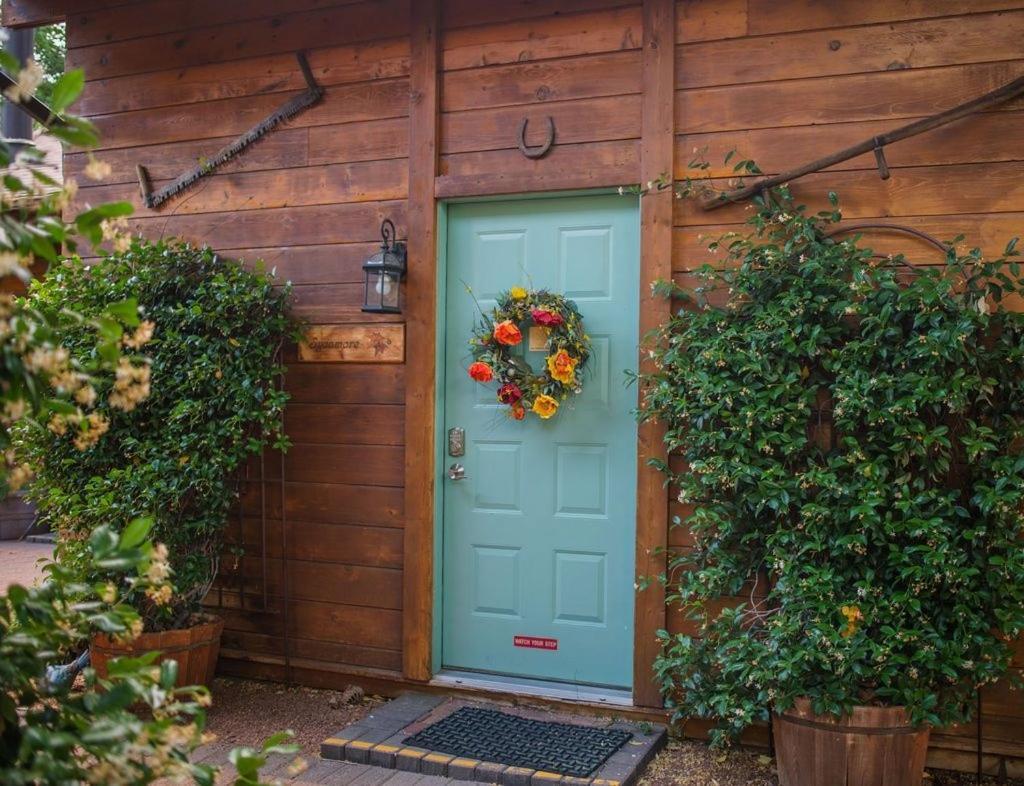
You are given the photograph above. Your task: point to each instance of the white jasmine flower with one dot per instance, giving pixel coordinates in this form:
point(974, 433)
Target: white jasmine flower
point(29, 79)
point(10, 263)
point(96, 169)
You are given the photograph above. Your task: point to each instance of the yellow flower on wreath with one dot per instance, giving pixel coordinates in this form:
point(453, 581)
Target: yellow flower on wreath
point(518, 293)
point(544, 406)
point(562, 366)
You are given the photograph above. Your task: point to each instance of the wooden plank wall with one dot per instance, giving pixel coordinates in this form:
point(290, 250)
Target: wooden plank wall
point(781, 81)
point(787, 81)
point(577, 61)
point(171, 82)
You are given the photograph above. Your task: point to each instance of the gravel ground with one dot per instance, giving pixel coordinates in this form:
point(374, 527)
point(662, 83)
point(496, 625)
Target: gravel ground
point(689, 763)
point(246, 712)
point(19, 562)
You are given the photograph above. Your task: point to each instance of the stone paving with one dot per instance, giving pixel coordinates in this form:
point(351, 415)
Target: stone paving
point(319, 773)
point(19, 562)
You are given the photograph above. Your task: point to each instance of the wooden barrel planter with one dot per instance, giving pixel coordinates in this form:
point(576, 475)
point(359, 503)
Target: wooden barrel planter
point(873, 746)
point(196, 650)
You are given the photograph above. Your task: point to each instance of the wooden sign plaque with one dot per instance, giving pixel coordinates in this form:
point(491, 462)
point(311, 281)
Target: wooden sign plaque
point(381, 343)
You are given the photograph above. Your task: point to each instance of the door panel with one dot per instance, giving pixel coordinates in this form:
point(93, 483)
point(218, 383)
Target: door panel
point(539, 537)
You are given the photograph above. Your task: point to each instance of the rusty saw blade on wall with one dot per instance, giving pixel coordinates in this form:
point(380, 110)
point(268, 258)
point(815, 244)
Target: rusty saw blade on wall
point(286, 111)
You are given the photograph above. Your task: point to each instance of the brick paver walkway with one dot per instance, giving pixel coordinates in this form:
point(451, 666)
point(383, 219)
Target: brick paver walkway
point(320, 772)
point(19, 562)
point(381, 739)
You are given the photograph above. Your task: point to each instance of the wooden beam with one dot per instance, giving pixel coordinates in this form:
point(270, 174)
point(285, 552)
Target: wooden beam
point(32, 13)
point(421, 315)
point(583, 166)
point(656, 150)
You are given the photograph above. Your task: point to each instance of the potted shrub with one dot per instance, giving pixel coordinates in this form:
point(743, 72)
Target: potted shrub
point(211, 335)
point(847, 431)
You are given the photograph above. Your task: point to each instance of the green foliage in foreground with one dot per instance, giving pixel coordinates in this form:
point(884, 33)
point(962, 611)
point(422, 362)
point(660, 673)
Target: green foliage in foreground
point(852, 429)
point(38, 379)
point(91, 735)
point(212, 333)
point(132, 727)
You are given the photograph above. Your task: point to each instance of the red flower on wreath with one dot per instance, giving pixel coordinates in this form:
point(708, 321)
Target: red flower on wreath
point(545, 318)
point(509, 393)
point(507, 333)
point(480, 371)
point(518, 411)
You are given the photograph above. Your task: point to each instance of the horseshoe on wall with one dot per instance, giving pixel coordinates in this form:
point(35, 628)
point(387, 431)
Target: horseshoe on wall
point(536, 151)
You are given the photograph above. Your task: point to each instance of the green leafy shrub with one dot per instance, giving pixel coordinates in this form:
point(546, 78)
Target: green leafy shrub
point(850, 430)
point(212, 332)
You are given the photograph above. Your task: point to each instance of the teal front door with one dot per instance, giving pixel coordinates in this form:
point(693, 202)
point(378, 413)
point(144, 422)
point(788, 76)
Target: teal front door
point(539, 537)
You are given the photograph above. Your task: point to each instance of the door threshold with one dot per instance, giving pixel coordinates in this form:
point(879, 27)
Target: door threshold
point(523, 686)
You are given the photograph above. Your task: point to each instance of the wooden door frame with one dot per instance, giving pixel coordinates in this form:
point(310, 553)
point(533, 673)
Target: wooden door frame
point(421, 337)
point(421, 395)
point(440, 438)
point(657, 145)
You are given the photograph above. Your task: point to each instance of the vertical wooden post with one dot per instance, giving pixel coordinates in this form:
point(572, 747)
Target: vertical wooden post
point(421, 317)
point(656, 146)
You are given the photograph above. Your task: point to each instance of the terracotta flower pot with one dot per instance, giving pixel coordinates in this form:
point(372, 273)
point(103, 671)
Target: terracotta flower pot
point(195, 648)
point(873, 746)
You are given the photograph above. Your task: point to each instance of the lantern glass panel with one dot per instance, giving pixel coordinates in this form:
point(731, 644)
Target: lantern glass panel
point(390, 286)
point(371, 297)
point(383, 288)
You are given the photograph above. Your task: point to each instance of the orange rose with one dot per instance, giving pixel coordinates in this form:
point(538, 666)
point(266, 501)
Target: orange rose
point(517, 411)
point(545, 406)
point(507, 333)
point(480, 371)
point(562, 366)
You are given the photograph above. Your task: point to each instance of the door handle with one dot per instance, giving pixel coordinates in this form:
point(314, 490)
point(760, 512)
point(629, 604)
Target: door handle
point(456, 472)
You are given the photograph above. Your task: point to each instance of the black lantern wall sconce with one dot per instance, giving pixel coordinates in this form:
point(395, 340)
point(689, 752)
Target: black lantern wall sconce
point(384, 272)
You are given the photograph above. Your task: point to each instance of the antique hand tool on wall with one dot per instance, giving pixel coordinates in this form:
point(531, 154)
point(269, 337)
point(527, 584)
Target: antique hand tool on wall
point(311, 95)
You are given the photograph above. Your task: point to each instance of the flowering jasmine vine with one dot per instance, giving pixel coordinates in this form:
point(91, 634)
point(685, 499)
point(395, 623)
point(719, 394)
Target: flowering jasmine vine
point(849, 432)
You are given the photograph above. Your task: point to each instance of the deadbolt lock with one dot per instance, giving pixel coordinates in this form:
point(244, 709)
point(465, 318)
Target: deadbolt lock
point(456, 442)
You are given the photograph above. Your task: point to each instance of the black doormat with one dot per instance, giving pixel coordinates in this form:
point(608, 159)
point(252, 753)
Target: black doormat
point(488, 735)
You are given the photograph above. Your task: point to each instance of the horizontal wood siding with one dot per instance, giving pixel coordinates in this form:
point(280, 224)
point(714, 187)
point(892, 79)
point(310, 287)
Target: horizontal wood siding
point(172, 82)
point(787, 81)
point(506, 62)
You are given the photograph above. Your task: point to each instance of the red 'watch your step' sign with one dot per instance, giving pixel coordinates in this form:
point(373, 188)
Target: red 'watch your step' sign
point(535, 642)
